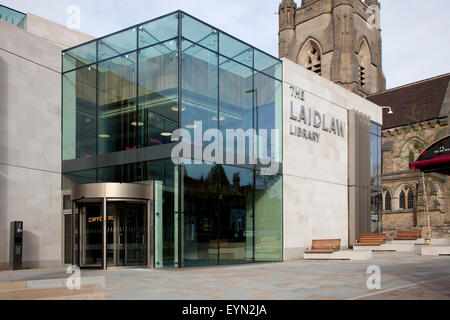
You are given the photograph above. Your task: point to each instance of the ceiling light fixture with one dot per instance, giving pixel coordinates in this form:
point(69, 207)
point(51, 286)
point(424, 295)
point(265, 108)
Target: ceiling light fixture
point(104, 136)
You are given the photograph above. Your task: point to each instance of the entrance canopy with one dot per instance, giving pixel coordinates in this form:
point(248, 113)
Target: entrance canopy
point(435, 158)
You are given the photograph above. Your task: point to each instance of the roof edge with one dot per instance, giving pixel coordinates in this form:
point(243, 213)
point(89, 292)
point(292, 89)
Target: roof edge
point(410, 84)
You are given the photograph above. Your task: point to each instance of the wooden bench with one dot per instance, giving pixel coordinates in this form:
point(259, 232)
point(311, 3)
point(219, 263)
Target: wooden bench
point(325, 246)
point(371, 239)
point(408, 235)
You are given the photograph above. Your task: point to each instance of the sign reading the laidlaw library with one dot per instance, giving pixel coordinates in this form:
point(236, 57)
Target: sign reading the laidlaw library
point(310, 123)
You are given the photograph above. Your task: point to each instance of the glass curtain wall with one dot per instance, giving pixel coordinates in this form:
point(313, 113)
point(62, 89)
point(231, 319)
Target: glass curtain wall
point(375, 177)
point(231, 213)
point(132, 89)
point(14, 17)
point(120, 92)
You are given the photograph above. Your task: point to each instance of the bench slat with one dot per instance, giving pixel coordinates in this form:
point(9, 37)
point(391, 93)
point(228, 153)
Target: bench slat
point(325, 246)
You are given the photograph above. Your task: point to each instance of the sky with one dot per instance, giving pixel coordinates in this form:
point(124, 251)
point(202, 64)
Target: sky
point(415, 33)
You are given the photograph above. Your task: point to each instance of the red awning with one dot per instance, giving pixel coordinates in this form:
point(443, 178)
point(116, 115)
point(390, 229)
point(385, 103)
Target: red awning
point(445, 159)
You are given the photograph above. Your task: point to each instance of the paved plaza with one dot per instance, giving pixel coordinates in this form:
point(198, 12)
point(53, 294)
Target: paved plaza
point(403, 276)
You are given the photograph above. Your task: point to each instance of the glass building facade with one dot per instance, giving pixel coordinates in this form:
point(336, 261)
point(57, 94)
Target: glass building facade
point(14, 17)
point(126, 93)
point(376, 160)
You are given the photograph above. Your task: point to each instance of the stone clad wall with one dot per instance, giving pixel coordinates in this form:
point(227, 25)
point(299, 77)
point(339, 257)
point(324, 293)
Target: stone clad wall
point(316, 173)
point(30, 138)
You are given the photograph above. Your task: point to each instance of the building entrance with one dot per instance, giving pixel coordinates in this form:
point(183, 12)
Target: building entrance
point(126, 236)
point(113, 230)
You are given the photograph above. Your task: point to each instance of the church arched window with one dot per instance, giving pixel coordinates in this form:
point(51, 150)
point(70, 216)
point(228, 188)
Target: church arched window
point(311, 57)
point(387, 201)
point(402, 200)
point(364, 60)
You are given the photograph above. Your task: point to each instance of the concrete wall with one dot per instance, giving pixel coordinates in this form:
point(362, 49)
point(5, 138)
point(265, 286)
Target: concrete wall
point(55, 33)
point(315, 174)
point(30, 143)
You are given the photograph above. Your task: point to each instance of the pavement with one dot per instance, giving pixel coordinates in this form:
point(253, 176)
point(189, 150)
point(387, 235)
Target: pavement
point(404, 276)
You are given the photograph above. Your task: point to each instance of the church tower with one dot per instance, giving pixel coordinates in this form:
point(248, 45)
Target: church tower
point(337, 39)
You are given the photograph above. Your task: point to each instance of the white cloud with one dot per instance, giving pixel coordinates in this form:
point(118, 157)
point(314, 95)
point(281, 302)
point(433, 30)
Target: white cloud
point(415, 32)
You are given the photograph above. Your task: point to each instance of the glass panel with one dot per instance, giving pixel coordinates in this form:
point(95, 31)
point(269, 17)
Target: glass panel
point(122, 174)
point(117, 104)
point(236, 50)
point(91, 235)
point(236, 104)
point(158, 94)
point(159, 30)
point(373, 128)
point(375, 156)
point(14, 17)
point(199, 32)
point(80, 56)
point(376, 209)
point(80, 177)
point(79, 113)
point(200, 77)
point(126, 239)
point(268, 64)
point(268, 102)
point(199, 243)
point(117, 44)
point(268, 218)
point(166, 196)
point(236, 214)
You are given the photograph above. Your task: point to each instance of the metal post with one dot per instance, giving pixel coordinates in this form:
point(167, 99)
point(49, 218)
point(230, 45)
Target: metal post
point(427, 242)
point(104, 233)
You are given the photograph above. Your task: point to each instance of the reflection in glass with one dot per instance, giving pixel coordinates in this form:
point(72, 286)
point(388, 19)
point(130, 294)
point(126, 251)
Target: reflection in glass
point(14, 17)
point(91, 235)
point(375, 177)
point(235, 214)
point(236, 103)
point(117, 104)
point(165, 202)
point(375, 155)
point(79, 114)
point(200, 230)
point(199, 87)
point(158, 94)
point(268, 97)
point(268, 218)
point(126, 241)
point(376, 210)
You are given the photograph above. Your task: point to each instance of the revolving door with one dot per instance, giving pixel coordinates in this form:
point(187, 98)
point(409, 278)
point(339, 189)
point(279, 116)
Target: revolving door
point(111, 225)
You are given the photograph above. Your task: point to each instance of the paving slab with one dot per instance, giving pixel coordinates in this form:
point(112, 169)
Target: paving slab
point(291, 280)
